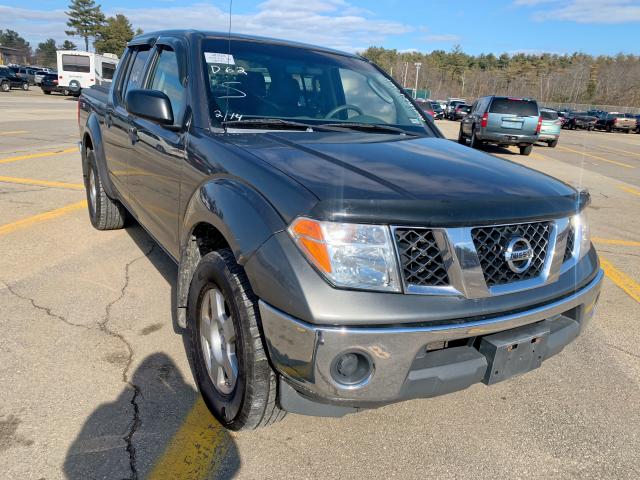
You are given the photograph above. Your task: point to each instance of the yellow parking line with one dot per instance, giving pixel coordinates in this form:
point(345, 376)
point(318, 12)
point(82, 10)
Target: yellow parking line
point(626, 165)
point(41, 183)
point(630, 190)
point(622, 280)
point(537, 156)
point(612, 241)
point(196, 449)
point(619, 150)
point(15, 132)
point(27, 222)
point(37, 155)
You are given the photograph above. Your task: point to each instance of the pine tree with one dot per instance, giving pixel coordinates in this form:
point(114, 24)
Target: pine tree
point(46, 53)
point(114, 35)
point(85, 19)
point(68, 45)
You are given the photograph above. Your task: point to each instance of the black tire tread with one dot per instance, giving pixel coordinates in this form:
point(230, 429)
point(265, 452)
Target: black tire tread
point(110, 214)
point(260, 408)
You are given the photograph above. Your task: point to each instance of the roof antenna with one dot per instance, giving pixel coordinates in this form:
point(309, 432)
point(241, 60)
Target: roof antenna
point(226, 108)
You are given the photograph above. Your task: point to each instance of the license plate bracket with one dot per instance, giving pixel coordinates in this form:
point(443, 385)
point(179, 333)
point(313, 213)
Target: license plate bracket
point(514, 352)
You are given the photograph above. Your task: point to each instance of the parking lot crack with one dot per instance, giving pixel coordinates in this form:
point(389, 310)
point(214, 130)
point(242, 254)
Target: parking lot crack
point(104, 326)
point(46, 310)
point(615, 347)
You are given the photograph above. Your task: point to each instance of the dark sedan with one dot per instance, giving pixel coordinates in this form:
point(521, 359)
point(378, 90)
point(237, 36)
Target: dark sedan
point(49, 84)
point(9, 80)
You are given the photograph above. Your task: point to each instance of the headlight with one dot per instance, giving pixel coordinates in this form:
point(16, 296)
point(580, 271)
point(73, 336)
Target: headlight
point(580, 224)
point(349, 255)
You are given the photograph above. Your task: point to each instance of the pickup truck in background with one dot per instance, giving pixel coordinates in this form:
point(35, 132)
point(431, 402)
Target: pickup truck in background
point(334, 251)
point(582, 120)
point(614, 121)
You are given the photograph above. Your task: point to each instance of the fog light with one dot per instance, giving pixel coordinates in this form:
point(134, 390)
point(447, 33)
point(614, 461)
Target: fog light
point(351, 368)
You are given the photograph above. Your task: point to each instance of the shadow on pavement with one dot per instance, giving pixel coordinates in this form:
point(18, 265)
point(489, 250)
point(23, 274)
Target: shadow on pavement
point(163, 431)
point(161, 261)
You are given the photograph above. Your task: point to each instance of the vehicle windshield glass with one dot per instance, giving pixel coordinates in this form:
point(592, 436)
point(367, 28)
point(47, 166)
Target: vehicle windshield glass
point(547, 115)
point(514, 106)
point(264, 80)
point(617, 115)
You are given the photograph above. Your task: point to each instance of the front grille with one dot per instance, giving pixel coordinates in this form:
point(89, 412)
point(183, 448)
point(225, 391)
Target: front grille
point(491, 243)
point(568, 252)
point(420, 257)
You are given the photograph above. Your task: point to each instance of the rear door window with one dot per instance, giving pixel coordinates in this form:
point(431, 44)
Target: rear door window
point(546, 115)
point(136, 73)
point(514, 106)
point(108, 69)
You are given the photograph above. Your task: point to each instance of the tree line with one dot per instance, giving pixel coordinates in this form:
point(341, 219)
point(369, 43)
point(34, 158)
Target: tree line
point(86, 21)
point(551, 78)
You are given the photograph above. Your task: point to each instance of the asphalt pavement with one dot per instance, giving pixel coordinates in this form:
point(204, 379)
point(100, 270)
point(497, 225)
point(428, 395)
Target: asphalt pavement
point(96, 382)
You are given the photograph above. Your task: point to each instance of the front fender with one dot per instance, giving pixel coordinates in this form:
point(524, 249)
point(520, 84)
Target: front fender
point(244, 218)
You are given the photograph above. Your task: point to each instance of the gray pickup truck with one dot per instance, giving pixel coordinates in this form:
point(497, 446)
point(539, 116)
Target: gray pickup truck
point(335, 252)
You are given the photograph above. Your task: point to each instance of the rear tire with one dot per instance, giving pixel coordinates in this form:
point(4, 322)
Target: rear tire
point(526, 150)
point(46, 92)
point(246, 399)
point(473, 141)
point(25, 86)
point(461, 139)
point(104, 213)
point(553, 143)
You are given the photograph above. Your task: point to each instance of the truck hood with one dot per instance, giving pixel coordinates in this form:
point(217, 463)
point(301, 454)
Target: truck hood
point(412, 180)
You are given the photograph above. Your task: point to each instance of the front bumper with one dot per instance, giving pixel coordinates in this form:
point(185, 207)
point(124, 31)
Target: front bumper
point(403, 366)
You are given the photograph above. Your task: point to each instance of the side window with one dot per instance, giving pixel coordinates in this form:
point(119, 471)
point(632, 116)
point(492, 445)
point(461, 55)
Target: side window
point(166, 78)
point(474, 107)
point(136, 72)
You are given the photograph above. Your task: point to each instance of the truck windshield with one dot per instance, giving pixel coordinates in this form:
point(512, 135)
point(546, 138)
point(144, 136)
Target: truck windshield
point(264, 80)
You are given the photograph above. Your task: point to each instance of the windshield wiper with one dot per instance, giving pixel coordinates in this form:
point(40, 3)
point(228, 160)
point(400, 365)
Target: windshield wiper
point(370, 127)
point(269, 123)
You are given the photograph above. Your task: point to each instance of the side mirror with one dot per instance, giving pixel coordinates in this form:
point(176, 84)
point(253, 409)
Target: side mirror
point(153, 105)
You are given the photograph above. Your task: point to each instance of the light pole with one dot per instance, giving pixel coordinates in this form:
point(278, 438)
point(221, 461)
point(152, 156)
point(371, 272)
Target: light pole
point(418, 65)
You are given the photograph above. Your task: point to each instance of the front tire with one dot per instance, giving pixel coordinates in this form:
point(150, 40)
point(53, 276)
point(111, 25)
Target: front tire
point(229, 359)
point(5, 87)
point(526, 150)
point(104, 213)
point(25, 86)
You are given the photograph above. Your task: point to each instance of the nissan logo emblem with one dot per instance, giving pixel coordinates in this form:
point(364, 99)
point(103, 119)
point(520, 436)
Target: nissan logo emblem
point(518, 254)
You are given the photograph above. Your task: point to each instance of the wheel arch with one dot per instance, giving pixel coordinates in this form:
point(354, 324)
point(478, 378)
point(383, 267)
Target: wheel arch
point(92, 140)
point(222, 213)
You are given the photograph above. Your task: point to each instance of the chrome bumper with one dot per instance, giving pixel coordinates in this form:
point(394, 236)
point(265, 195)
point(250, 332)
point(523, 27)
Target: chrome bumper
point(304, 353)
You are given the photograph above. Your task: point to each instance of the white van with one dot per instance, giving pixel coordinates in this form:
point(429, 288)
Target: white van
point(78, 69)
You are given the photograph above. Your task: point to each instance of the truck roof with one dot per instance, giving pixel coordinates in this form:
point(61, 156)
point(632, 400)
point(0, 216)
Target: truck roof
point(150, 37)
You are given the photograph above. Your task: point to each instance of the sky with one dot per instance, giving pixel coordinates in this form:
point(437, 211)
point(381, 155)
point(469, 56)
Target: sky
point(479, 26)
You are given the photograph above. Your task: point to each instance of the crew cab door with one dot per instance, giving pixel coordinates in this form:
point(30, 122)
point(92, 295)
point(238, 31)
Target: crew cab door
point(159, 151)
point(116, 139)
